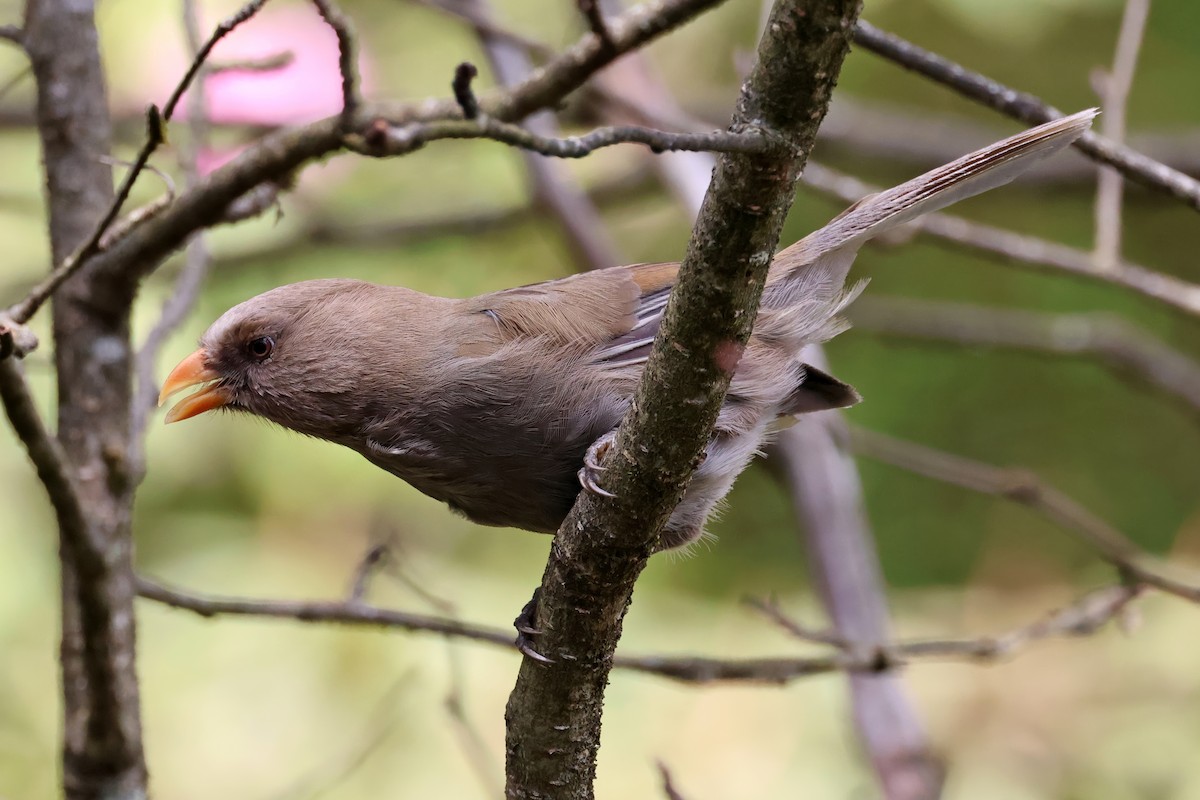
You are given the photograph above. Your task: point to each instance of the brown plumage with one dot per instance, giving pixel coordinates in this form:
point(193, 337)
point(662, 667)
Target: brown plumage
point(490, 403)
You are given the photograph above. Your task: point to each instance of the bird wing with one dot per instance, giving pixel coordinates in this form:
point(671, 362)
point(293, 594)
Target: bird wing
point(614, 312)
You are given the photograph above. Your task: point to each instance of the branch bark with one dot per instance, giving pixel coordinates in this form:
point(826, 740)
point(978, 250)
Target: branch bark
point(102, 737)
point(555, 709)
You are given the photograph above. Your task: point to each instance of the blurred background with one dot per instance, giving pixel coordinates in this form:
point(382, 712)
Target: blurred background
point(239, 708)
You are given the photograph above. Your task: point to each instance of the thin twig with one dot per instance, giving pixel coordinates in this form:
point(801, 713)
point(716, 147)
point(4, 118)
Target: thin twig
point(13, 34)
point(1020, 249)
point(347, 58)
point(397, 140)
point(1128, 351)
point(264, 64)
point(1084, 617)
point(1024, 487)
point(464, 73)
point(594, 15)
point(371, 562)
point(668, 785)
point(1114, 96)
point(1029, 109)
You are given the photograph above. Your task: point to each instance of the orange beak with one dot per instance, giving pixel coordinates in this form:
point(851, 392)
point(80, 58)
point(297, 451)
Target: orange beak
point(192, 371)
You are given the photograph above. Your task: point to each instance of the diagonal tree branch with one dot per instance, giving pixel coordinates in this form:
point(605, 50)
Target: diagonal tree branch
point(603, 545)
point(1021, 250)
point(889, 728)
point(1029, 109)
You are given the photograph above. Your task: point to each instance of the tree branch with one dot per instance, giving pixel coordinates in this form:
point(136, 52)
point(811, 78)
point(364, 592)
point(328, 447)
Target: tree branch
point(842, 553)
point(1029, 109)
point(603, 545)
point(1114, 94)
point(1021, 250)
point(856, 656)
point(278, 154)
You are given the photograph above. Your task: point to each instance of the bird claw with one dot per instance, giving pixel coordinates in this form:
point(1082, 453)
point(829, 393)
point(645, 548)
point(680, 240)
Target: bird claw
point(588, 477)
point(527, 629)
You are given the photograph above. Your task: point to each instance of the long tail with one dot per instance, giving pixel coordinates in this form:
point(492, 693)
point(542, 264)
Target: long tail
point(810, 275)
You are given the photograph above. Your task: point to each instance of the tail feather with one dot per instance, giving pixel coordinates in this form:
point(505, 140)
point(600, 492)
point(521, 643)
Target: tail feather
point(805, 287)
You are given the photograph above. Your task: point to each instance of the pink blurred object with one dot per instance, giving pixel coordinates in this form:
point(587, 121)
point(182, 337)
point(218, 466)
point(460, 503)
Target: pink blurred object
point(308, 87)
point(305, 88)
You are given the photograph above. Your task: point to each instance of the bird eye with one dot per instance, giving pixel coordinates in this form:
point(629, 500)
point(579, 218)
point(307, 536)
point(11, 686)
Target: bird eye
point(261, 348)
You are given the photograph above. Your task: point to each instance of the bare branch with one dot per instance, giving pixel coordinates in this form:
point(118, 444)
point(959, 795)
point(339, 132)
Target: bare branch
point(1021, 250)
point(1128, 351)
point(668, 785)
point(347, 58)
point(391, 141)
point(603, 545)
point(1115, 97)
point(1084, 617)
point(594, 15)
point(13, 34)
point(836, 533)
point(1029, 109)
point(277, 155)
point(1024, 487)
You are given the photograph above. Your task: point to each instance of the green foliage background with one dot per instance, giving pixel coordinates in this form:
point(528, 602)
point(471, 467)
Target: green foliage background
point(247, 709)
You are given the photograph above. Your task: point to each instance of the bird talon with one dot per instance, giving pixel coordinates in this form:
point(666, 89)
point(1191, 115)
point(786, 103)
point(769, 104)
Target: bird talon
point(588, 478)
point(527, 629)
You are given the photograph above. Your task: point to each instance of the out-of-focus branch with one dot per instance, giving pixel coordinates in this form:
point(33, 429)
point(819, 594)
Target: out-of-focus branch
point(347, 58)
point(1029, 109)
point(1114, 92)
point(1021, 250)
point(1085, 617)
point(827, 498)
point(1024, 487)
point(1125, 349)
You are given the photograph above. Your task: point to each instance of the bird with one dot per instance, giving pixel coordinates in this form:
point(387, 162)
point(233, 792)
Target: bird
point(503, 405)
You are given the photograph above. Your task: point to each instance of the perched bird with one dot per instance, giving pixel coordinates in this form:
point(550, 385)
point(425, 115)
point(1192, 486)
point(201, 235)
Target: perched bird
point(502, 405)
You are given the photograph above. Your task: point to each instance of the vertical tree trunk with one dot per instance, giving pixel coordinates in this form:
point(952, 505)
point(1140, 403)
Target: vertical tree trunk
point(102, 747)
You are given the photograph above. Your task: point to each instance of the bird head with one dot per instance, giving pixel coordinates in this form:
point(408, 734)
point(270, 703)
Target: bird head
point(282, 355)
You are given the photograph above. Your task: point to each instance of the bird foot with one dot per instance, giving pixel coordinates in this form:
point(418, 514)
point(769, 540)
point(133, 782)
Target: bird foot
point(527, 630)
point(589, 473)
